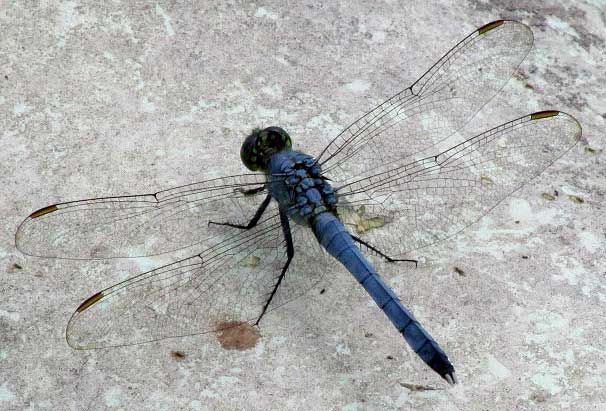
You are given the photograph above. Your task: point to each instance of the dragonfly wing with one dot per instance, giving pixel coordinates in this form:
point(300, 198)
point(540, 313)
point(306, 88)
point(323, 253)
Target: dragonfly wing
point(430, 199)
point(438, 104)
point(140, 225)
point(225, 285)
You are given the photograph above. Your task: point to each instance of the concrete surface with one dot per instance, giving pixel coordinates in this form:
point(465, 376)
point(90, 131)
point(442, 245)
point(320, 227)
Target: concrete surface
point(120, 97)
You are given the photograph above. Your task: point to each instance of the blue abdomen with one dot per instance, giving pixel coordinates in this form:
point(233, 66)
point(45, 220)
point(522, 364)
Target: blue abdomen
point(335, 238)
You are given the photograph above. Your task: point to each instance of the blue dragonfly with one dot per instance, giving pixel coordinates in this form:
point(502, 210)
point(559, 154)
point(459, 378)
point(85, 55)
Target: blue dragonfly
point(400, 178)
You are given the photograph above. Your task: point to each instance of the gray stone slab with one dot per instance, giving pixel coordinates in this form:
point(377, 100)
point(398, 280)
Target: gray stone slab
point(120, 97)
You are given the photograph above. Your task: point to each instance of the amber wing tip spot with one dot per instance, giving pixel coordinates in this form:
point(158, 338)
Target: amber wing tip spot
point(544, 114)
point(487, 27)
point(89, 301)
point(43, 211)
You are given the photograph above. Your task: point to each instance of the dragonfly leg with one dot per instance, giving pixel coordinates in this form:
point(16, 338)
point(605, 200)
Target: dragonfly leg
point(378, 252)
point(254, 220)
point(251, 191)
point(290, 252)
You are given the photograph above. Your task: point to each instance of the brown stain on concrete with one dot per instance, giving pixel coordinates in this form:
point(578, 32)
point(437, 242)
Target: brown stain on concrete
point(237, 335)
point(178, 355)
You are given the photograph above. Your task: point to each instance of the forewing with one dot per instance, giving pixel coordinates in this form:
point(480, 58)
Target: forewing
point(435, 197)
point(224, 286)
point(441, 102)
point(140, 225)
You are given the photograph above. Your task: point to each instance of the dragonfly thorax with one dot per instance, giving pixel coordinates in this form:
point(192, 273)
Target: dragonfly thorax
point(297, 183)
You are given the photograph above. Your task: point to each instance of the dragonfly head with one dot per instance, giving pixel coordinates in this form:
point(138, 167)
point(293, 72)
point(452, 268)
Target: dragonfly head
point(259, 146)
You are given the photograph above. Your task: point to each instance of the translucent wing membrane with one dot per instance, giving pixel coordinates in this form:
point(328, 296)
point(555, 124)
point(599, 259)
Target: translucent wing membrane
point(225, 285)
point(434, 197)
point(140, 225)
point(441, 102)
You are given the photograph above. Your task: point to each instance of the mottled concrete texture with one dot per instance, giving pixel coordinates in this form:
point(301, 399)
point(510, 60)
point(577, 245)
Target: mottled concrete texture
point(117, 97)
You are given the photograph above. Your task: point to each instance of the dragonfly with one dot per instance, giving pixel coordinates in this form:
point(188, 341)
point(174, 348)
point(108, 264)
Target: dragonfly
point(400, 178)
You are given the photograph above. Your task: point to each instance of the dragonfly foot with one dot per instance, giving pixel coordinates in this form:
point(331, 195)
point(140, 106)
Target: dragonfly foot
point(239, 226)
point(381, 254)
point(217, 223)
point(250, 192)
point(256, 217)
point(398, 260)
point(451, 378)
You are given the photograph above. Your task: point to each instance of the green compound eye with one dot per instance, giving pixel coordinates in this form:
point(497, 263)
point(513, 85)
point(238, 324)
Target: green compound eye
point(260, 145)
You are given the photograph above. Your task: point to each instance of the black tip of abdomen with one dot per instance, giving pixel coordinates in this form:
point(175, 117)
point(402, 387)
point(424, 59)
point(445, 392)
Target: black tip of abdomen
point(442, 365)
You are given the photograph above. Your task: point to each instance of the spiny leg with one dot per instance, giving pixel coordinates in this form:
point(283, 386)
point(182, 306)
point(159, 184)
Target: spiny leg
point(251, 191)
point(385, 256)
point(290, 252)
point(254, 220)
